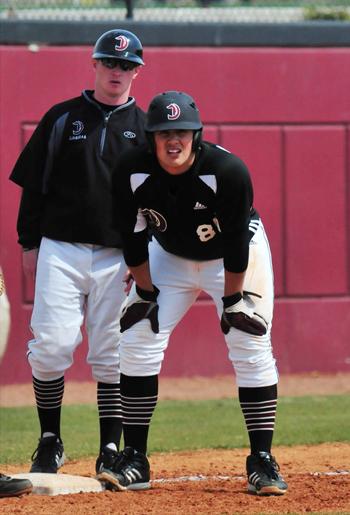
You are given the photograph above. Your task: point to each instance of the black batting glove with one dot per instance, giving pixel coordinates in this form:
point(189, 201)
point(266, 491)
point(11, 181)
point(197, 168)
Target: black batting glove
point(140, 304)
point(239, 313)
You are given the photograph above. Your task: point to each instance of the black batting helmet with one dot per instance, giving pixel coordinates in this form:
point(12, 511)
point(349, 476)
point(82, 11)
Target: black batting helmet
point(120, 44)
point(174, 110)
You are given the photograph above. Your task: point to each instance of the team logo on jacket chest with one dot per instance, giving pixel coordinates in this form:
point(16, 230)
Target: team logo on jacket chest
point(77, 130)
point(155, 219)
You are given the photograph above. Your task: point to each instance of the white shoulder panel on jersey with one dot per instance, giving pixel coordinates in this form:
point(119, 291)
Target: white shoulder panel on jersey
point(210, 181)
point(222, 148)
point(136, 179)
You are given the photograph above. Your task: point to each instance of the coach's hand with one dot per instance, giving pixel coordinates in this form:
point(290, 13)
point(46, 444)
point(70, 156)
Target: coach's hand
point(239, 313)
point(29, 262)
point(140, 304)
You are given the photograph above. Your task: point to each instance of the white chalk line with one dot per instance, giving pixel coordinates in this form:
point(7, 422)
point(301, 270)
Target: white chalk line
point(200, 477)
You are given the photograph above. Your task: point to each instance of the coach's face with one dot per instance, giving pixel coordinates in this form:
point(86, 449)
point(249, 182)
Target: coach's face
point(174, 150)
point(112, 84)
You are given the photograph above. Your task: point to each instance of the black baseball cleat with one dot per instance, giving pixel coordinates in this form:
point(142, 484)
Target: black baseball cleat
point(130, 472)
point(48, 457)
point(12, 486)
point(263, 475)
point(106, 459)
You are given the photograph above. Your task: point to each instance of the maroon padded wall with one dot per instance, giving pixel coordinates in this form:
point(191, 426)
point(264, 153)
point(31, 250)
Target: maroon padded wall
point(286, 112)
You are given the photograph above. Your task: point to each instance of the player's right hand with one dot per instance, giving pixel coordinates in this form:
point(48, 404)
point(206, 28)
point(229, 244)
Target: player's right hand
point(128, 280)
point(239, 313)
point(29, 261)
point(140, 304)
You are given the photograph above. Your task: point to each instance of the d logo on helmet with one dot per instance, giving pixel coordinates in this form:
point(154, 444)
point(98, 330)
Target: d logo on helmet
point(122, 43)
point(175, 111)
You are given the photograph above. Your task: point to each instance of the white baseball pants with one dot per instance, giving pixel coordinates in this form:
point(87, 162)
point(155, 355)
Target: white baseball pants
point(180, 281)
point(76, 281)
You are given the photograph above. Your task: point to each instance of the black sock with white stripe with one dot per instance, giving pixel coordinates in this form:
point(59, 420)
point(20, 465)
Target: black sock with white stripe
point(259, 410)
point(48, 397)
point(139, 398)
point(110, 413)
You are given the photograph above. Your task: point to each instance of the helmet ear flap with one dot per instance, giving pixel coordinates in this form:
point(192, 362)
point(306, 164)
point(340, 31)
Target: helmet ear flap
point(197, 140)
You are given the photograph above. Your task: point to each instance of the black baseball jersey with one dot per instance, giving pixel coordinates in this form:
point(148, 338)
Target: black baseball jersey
point(202, 214)
point(66, 168)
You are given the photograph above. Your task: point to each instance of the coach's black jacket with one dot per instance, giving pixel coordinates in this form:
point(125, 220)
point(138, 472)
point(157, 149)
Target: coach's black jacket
point(205, 213)
point(65, 171)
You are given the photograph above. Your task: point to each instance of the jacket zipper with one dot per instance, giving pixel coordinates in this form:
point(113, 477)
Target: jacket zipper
point(105, 117)
point(104, 130)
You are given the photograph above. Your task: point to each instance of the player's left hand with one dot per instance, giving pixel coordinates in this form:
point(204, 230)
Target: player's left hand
point(239, 313)
point(140, 304)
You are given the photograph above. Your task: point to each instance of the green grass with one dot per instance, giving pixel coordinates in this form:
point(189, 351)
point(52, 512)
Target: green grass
point(180, 425)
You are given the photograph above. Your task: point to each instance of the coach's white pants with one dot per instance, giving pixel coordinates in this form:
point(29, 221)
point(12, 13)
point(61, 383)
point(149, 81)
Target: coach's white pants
point(180, 281)
point(74, 281)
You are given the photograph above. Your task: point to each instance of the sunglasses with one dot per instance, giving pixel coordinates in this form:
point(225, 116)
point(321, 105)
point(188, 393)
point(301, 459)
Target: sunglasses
point(111, 63)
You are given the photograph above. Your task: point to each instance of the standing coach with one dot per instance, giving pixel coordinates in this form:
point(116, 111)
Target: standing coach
point(69, 240)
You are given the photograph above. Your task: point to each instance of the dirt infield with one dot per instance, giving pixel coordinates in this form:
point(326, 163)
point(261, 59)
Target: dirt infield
point(207, 481)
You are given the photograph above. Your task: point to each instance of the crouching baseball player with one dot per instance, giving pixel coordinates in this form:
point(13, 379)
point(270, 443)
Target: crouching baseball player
point(197, 200)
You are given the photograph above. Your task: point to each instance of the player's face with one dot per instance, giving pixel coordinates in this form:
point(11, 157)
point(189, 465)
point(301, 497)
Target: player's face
point(112, 84)
point(174, 150)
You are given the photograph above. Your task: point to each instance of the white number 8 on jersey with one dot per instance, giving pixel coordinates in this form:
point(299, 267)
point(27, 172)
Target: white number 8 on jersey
point(205, 232)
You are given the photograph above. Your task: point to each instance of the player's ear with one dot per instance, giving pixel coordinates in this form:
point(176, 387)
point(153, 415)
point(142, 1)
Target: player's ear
point(136, 71)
